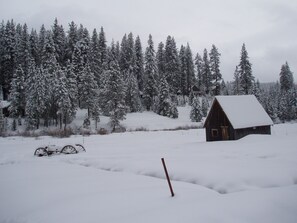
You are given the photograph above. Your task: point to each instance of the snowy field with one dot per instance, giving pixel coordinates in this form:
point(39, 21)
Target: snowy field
point(121, 179)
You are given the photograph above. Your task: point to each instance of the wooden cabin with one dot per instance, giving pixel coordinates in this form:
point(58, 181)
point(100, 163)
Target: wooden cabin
point(233, 117)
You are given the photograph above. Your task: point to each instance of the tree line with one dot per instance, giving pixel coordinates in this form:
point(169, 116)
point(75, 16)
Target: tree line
point(48, 74)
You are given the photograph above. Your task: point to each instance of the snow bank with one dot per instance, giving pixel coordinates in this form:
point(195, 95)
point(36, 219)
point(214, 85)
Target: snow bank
point(146, 121)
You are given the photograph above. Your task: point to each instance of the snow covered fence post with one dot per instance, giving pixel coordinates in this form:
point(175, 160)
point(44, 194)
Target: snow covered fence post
point(167, 176)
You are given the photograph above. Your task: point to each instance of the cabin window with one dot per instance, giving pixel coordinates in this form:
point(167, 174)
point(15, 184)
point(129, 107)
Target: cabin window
point(214, 132)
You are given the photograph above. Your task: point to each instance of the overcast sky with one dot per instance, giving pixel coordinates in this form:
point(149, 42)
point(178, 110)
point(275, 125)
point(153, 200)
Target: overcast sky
point(267, 27)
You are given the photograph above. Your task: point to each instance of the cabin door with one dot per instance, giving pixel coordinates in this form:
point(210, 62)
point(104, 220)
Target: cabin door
point(225, 133)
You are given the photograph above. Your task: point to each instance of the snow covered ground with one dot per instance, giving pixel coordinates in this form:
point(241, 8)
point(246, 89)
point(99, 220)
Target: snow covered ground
point(146, 120)
point(121, 179)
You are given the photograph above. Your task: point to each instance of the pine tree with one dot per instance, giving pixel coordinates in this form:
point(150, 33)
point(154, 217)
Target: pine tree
point(130, 52)
point(286, 78)
point(206, 74)
point(95, 110)
point(102, 50)
point(17, 94)
point(80, 59)
point(172, 65)
point(8, 63)
point(150, 71)
point(131, 88)
point(186, 70)
point(41, 43)
point(165, 105)
point(114, 95)
point(36, 96)
point(284, 110)
point(246, 77)
point(132, 94)
point(63, 98)
point(49, 69)
point(163, 98)
point(199, 65)
point(224, 90)
point(33, 40)
point(118, 51)
point(18, 44)
point(273, 98)
point(216, 76)
point(72, 89)
point(236, 82)
point(256, 90)
point(80, 32)
point(48, 53)
point(23, 49)
point(95, 57)
point(270, 103)
point(183, 70)
point(88, 88)
point(190, 69)
point(287, 105)
point(2, 31)
point(59, 39)
point(1, 111)
point(160, 57)
point(196, 112)
point(72, 40)
point(123, 61)
point(139, 68)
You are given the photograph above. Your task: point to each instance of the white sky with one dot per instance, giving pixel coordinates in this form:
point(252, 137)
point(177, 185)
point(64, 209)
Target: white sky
point(267, 27)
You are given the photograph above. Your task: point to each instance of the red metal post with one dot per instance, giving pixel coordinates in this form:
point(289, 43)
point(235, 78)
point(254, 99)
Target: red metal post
point(167, 176)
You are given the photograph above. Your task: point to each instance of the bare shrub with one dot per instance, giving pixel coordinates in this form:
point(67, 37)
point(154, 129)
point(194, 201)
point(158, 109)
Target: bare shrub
point(102, 131)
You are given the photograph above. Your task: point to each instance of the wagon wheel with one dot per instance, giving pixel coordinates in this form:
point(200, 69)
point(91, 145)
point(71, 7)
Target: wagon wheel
point(68, 149)
point(40, 152)
point(80, 148)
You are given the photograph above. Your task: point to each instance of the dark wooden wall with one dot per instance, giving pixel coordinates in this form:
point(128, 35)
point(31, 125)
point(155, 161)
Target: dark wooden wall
point(239, 133)
point(215, 120)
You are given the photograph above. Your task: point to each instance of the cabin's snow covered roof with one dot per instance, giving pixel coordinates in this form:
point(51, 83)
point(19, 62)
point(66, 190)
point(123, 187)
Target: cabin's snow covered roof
point(244, 111)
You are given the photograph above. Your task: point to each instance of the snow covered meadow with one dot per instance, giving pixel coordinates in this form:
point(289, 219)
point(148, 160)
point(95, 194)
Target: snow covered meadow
point(121, 179)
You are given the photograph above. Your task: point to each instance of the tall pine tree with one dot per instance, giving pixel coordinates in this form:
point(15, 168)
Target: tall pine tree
point(150, 72)
point(17, 94)
point(236, 82)
point(139, 68)
point(165, 105)
point(160, 58)
point(206, 74)
point(199, 66)
point(286, 78)
point(59, 39)
point(172, 65)
point(190, 69)
point(114, 95)
point(246, 77)
point(216, 76)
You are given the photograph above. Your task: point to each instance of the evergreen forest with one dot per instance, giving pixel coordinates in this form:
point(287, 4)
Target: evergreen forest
point(48, 74)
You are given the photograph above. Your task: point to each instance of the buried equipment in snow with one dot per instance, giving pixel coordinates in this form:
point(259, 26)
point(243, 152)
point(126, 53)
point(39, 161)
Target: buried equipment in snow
point(53, 149)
